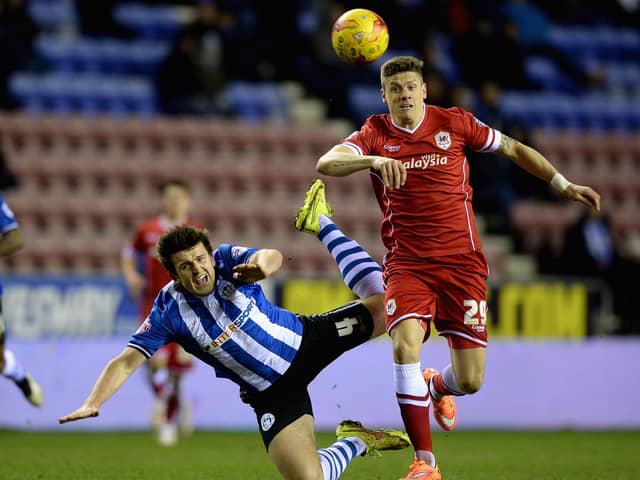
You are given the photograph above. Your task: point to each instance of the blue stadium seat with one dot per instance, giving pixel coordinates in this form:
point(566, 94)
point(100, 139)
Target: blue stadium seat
point(364, 100)
point(88, 93)
point(107, 55)
point(151, 21)
point(255, 102)
point(53, 14)
point(544, 72)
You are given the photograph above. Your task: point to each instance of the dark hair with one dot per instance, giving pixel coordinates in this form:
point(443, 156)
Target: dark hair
point(175, 182)
point(182, 237)
point(400, 64)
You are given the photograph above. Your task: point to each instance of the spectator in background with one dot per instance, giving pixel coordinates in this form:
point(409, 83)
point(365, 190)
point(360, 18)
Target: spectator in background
point(590, 250)
point(17, 32)
point(532, 28)
point(11, 240)
point(8, 179)
point(145, 277)
point(193, 74)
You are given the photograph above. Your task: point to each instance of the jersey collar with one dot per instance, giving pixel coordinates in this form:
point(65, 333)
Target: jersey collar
point(424, 114)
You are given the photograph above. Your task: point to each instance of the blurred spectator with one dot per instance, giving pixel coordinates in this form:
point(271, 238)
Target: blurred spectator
point(533, 26)
point(8, 179)
point(590, 250)
point(193, 74)
point(17, 31)
point(487, 53)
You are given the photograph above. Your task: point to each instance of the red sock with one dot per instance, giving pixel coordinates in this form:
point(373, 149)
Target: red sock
point(438, 385)
point(172, 407)
point(415, 415)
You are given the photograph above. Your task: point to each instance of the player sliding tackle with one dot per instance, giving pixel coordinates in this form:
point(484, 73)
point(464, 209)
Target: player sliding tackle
point(216, 311)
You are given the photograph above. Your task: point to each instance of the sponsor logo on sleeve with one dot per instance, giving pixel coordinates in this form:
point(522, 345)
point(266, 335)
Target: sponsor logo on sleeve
point(392, 148)
point(144, 326)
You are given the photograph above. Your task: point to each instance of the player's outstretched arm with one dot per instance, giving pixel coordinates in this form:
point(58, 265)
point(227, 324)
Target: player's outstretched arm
point(261, 264)
point(536, 164)
point(117, 371)
point(341, 161)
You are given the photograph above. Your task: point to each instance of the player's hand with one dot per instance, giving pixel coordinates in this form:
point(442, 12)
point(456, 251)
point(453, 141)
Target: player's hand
point(248, 273)
point(394, 174)
point(85, 411)
point(583, 194)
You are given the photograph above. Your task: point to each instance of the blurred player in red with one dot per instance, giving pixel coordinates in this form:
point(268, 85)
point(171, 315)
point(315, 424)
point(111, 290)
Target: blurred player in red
point(434, 269)
point(145, 276)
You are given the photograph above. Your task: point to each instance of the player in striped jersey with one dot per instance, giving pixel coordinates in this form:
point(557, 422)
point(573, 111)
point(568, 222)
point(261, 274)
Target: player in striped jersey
point(217, 311)
point(12, 240)
point(434, 269)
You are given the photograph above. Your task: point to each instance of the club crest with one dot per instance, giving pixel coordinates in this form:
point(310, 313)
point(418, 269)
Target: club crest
point(443, 140)
point(391, 306)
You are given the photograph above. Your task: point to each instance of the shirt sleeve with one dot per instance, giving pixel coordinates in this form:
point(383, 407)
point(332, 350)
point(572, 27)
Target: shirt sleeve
point(361, 141)
point(8, 220)
point(478, 135)
point(228, 256)
point(155, 332)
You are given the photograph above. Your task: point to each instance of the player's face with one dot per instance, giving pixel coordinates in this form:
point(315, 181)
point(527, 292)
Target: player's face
point(405, 93)
point(176, 202)
point(194, 270)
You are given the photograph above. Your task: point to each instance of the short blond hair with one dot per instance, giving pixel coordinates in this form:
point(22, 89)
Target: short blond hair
point(398, 65)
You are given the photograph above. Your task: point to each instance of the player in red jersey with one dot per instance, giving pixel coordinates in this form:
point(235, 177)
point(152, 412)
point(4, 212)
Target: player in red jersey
point(145, 276)
point(434, 269)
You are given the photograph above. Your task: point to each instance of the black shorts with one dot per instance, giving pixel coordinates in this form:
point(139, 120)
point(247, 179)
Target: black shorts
point(325, 337)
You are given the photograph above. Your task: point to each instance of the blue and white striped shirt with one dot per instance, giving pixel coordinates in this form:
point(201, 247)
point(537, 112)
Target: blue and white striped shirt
point(8, 221)
point(235, 329)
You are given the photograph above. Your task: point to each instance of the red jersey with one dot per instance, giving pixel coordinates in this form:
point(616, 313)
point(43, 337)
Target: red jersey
point(431, 215)
point(144, 243)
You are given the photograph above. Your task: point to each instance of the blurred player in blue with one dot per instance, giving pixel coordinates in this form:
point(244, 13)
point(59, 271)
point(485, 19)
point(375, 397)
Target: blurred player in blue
point(12, 240)
point(215, 309)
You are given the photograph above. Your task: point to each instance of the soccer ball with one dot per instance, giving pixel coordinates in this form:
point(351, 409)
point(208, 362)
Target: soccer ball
point(359, 36)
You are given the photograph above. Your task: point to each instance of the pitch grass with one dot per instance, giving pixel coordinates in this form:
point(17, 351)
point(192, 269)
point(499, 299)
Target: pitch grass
point(469, 455)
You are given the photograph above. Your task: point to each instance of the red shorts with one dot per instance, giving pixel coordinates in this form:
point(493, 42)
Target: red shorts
point(449, 292)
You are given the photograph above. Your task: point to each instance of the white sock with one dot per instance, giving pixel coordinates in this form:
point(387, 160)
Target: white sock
point(13, 369)
point(409, 379)
point(335, 459)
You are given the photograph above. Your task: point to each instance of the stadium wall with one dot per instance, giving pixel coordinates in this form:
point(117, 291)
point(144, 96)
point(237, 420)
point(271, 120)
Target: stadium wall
point(529, 385)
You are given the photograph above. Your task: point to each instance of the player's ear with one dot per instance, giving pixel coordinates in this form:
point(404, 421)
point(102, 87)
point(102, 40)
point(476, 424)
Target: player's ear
point(424, 91)
point(384, 99)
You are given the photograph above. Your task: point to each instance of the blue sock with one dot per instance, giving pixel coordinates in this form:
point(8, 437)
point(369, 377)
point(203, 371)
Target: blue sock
point(360, 272)
point(335, 459)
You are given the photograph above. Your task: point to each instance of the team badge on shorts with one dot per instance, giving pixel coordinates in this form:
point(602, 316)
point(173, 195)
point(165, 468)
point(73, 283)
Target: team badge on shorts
point(443, 140)
point(391, 306)
point(266, 421)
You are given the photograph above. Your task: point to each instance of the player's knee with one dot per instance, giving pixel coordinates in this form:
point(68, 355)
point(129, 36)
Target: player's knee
point(470, 385)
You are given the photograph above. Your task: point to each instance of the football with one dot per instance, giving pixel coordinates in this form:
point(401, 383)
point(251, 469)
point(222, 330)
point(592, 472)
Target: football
point(359, 36)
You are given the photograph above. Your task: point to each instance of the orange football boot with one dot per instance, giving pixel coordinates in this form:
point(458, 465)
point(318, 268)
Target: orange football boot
point(445, 410)
point(422, 471)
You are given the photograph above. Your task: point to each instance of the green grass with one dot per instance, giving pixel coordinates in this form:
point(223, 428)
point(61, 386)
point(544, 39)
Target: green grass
point(467, 455)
